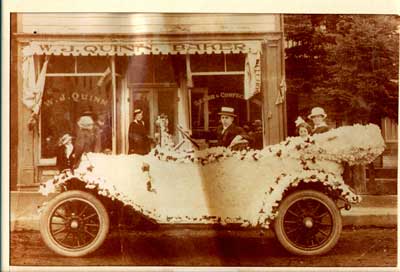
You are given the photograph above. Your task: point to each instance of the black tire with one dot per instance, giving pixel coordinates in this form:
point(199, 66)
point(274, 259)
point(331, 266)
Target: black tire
point(74, 224)
point(308, 223)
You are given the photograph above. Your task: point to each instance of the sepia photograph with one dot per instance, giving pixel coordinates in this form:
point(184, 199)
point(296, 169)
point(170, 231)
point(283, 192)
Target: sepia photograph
point(178, 140)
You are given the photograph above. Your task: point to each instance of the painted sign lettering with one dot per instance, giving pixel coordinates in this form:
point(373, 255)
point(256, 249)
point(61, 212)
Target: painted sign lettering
point(138, 48)
point(76, 97)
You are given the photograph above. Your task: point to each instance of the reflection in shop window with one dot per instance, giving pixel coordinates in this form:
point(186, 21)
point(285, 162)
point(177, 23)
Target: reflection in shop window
point(64, 100)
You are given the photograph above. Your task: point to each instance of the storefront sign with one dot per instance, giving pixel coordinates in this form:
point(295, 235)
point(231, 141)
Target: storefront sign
point(139, 48)
point(206, 98)
point(75, 97)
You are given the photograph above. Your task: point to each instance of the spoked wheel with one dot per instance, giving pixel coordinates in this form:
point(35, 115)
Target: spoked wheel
point(308, 223)
point(74, 224)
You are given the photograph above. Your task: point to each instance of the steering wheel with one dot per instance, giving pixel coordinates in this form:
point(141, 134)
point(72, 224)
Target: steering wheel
point(187, 137)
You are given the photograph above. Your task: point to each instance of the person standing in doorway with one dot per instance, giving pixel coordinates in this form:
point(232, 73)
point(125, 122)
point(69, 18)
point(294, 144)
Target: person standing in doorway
point(318, 117)
point(138, 141)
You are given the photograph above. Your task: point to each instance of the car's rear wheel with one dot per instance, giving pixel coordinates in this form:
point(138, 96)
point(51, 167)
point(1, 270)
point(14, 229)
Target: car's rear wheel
point(74, 224)
point(308, 223)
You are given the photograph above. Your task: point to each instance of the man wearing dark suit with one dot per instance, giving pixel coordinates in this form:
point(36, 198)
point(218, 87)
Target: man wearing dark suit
point(138, 141)
point(228, 134)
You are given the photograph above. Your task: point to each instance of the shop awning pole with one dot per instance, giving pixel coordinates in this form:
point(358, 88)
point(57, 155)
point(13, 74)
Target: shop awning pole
point(114, 106)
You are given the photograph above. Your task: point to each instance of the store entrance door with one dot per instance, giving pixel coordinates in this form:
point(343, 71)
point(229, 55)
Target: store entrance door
point(154, 101)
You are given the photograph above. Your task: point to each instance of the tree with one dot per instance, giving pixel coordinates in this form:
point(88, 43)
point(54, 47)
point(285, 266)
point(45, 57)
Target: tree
point(347, 64)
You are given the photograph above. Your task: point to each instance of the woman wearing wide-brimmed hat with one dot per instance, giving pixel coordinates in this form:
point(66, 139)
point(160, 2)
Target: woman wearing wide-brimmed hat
point(229, 134)
point(138, 141)
point(318, 117)
point(65, 153)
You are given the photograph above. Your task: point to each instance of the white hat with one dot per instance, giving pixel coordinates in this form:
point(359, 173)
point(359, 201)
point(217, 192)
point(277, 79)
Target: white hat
point(137, 111)
point(299, 121)
point(64, 139)
point(86, 122)
point(317, 111)
point(227, 111)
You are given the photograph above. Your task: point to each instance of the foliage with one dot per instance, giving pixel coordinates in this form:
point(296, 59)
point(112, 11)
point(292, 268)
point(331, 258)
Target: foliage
point(346, 63)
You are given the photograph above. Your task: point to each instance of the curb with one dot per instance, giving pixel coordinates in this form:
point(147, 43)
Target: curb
point(370, 216)
point(380, 211)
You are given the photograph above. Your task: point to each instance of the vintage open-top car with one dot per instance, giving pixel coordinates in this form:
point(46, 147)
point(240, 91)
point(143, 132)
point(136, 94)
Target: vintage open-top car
point(295, 186)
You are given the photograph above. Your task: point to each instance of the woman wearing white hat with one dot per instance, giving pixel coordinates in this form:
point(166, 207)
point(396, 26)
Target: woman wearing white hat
point(318, 117)
point(65, 154)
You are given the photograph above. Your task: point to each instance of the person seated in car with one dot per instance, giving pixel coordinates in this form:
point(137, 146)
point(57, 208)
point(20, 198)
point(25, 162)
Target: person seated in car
point(229, 134)
point(303, 129)
point(318, 117)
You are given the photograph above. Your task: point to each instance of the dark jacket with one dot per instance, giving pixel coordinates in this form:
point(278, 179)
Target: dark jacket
point(138, 141)
point(231, 132)
point(63, 162)
point(86, 141)
point(321, 129)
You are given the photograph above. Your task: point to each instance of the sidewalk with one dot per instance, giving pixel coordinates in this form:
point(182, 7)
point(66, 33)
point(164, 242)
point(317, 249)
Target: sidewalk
point(373, 210)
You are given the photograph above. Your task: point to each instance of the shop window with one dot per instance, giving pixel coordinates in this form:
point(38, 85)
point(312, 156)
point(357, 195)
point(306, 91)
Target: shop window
point(152, 69)
point(61, 64)
point(92, 64)
point(212, 92)
point(235, 62)
point(64, 100)
point(217, 63)
point(140, 69)
point(206, 63)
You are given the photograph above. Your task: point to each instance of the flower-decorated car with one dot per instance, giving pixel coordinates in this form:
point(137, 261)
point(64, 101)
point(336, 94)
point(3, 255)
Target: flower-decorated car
point(296, 187)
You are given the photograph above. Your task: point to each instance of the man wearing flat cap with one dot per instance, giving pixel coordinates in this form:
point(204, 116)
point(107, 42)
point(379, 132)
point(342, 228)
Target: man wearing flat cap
point(138, 141)
point(228, 134)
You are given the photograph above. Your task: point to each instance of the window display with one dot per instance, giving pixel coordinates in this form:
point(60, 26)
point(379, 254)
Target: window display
point(65, 99)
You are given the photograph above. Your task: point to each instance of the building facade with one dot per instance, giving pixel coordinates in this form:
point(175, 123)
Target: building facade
point(183, 66)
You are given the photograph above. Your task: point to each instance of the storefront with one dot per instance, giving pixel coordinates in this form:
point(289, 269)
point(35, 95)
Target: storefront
point(183, 66)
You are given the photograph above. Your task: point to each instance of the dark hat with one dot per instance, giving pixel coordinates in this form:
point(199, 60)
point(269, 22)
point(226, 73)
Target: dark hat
point(227, 111)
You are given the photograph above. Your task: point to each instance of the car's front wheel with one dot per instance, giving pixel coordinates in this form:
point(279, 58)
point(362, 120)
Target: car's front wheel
point(74, 224)
point(308, 223)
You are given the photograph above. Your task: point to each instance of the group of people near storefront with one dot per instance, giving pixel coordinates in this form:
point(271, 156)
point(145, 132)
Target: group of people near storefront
point(92, 135)
point(228, 134)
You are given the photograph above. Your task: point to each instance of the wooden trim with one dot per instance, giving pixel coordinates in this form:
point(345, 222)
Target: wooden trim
point(217, 73)
point(28, 37)
point(152, 85)
point(77, 74)
point(47, 162)
point(264, 87)
point(114, 106)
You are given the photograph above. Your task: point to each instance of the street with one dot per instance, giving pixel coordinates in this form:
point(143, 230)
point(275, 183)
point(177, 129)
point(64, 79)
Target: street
point(207, 247)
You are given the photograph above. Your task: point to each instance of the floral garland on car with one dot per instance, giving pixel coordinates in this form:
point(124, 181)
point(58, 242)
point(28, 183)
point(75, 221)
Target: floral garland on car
point(313, 160)
point(335, 145)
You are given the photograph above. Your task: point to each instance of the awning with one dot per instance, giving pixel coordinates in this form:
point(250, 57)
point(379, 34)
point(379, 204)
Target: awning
point(125, 48)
